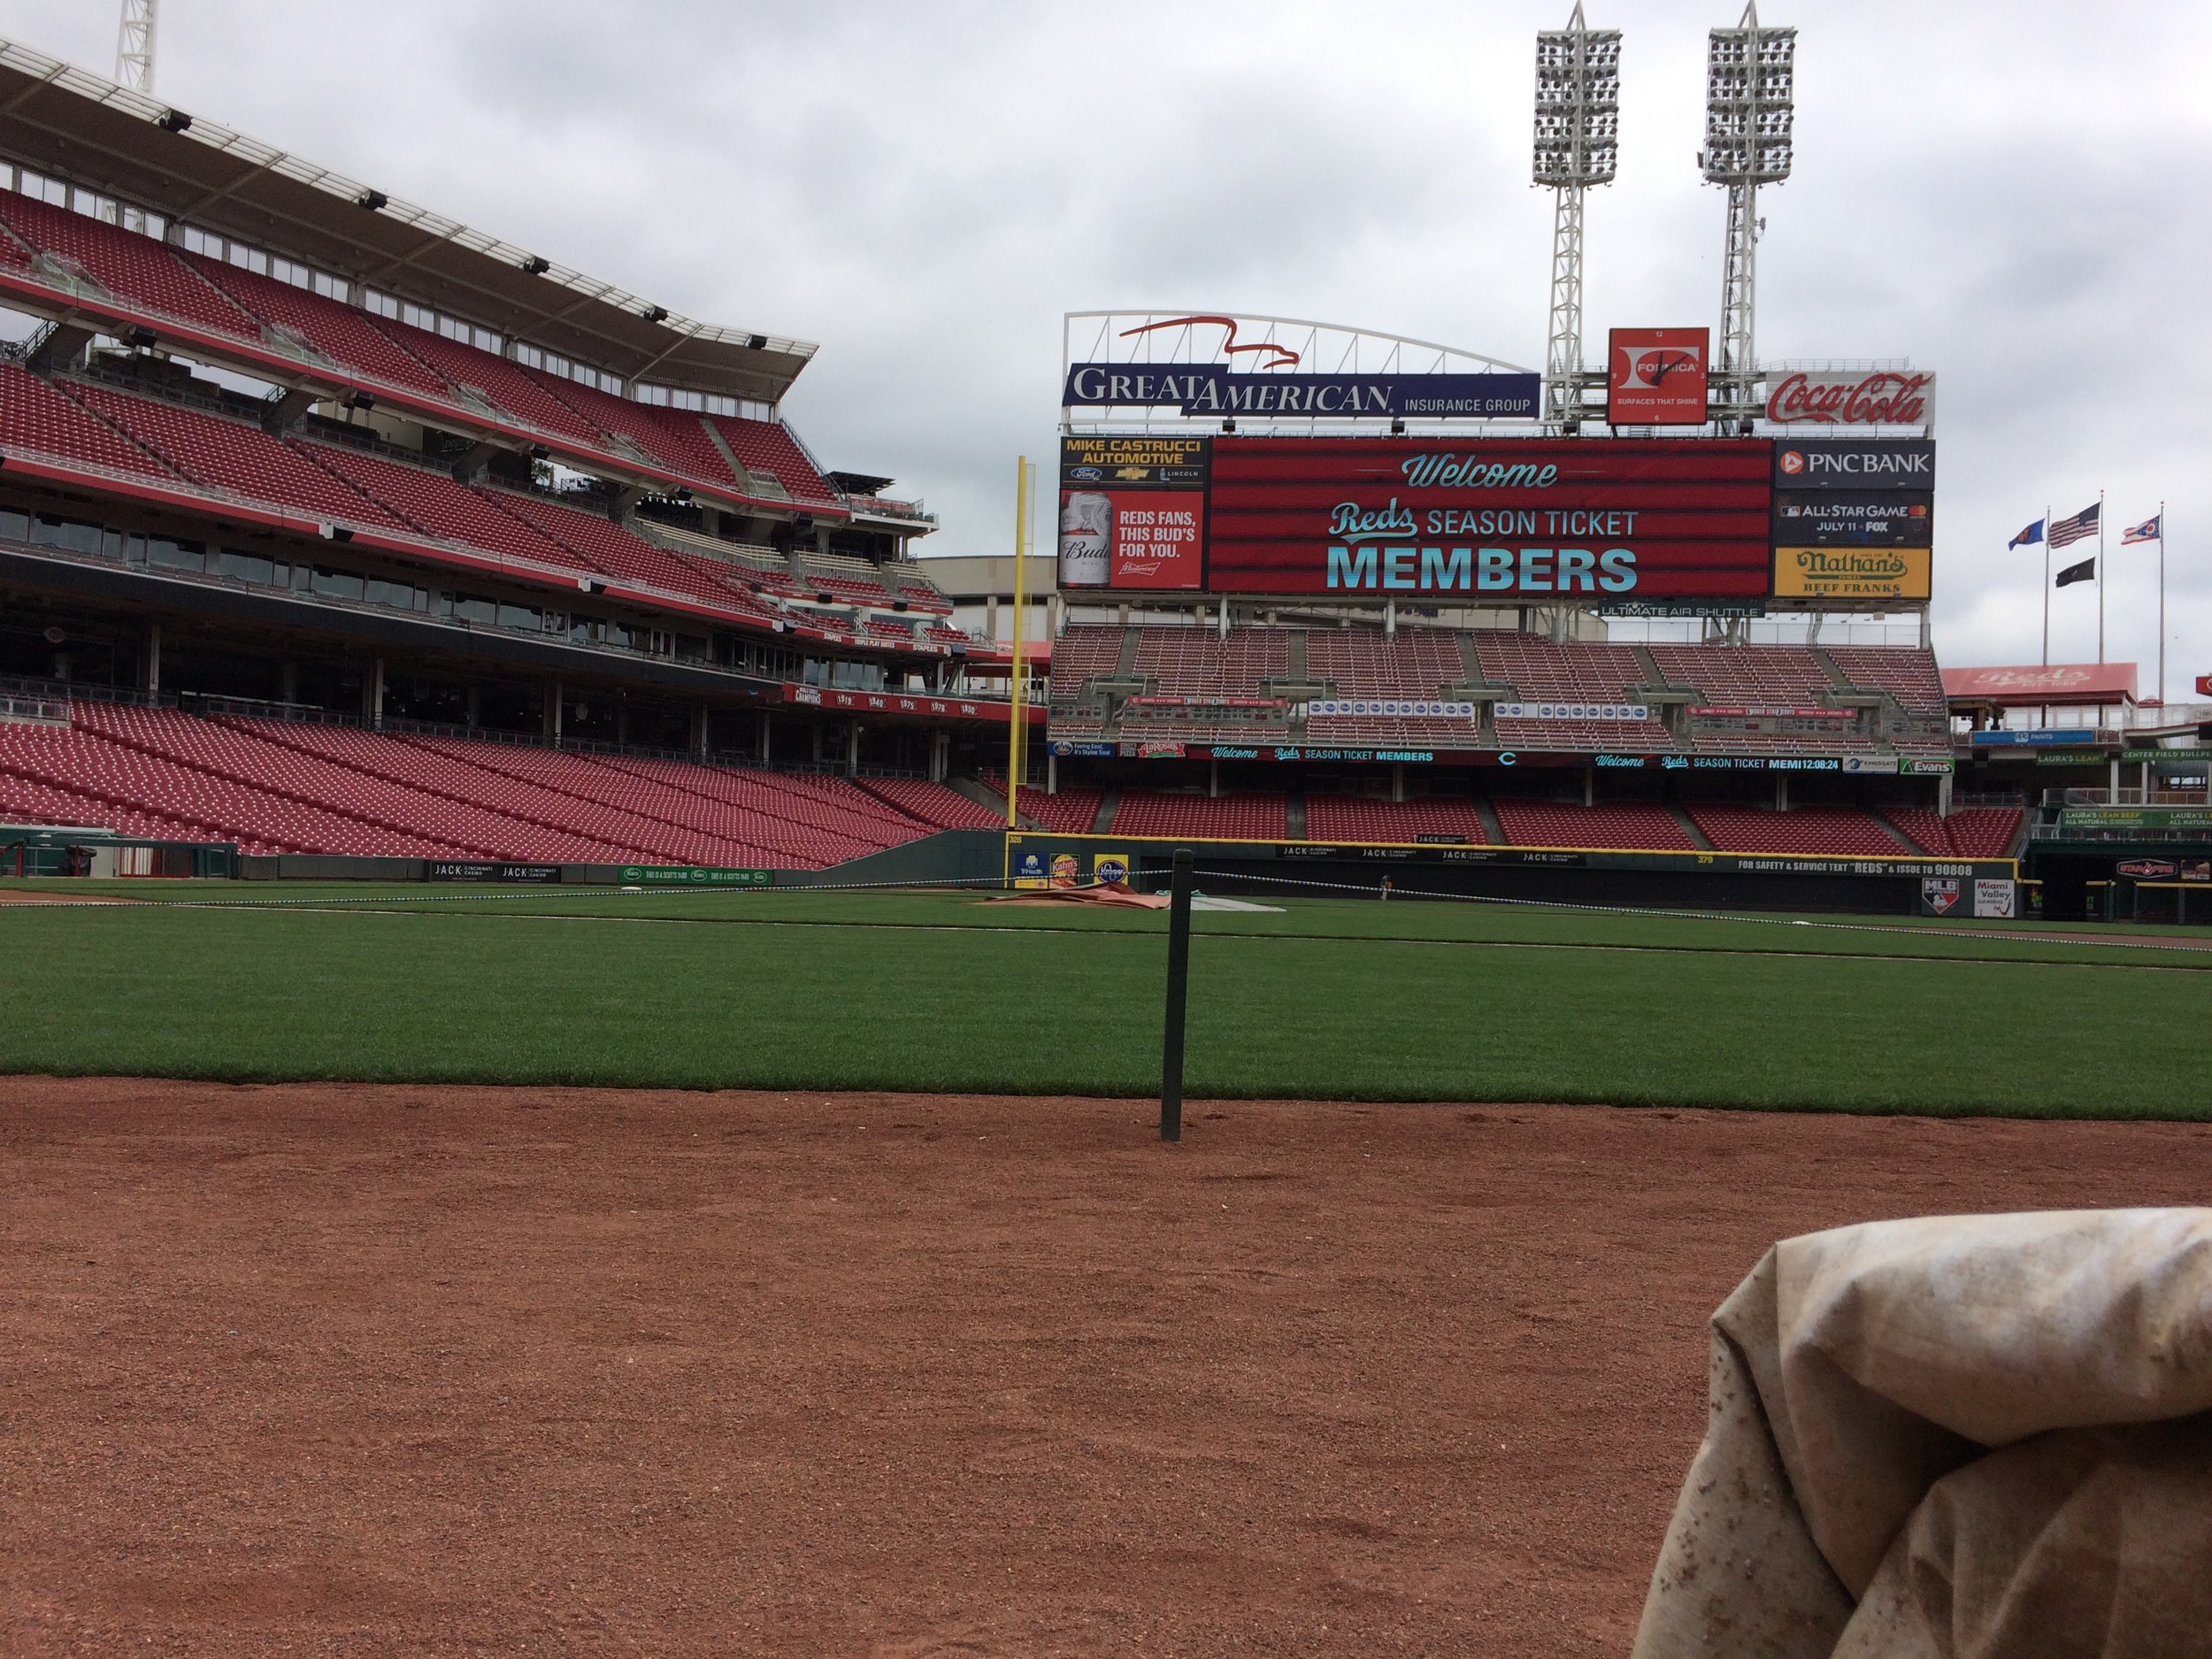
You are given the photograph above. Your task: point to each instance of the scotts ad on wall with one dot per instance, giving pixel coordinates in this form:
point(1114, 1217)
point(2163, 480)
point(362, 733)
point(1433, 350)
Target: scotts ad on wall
point(1656, 377)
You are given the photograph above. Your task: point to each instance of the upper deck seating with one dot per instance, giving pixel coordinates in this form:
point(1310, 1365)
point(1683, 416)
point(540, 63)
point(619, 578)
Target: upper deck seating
point(497, 381)
point(227, 454)
point(668, 438)
point(767, 447)
point(36, 416)
point(339, 331)
point(1748, 676)
point(1365, 663)
point(433, 504)
point(1909, 674)
point(137, 269)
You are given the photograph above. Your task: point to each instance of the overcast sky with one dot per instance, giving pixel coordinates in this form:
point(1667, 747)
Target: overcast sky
point(2010, 195)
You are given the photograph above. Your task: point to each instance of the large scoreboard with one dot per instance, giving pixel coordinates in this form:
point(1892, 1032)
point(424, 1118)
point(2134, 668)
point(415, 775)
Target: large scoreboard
point(1845, 523)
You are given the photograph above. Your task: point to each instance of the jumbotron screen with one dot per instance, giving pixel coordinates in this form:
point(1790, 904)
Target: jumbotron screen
point(1420, 520)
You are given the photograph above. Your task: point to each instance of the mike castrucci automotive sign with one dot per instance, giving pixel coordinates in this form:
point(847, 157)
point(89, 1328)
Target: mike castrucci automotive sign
point(1499, 521)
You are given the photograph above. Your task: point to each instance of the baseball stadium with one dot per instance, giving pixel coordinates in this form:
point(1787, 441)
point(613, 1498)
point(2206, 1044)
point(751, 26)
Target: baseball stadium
point(607, 1054)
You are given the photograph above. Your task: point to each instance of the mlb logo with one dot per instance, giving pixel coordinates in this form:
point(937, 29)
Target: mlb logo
point(1939, 894)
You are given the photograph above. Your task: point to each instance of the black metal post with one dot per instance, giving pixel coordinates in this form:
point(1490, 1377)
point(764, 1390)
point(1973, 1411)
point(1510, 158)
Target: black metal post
point(1178, 989)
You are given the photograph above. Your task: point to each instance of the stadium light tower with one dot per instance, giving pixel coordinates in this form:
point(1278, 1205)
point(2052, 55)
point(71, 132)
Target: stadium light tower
point(1750, 107)
point(134, 46)
point(1577, 145)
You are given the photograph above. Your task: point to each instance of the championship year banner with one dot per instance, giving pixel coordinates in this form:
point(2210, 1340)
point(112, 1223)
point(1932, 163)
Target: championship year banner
point(1504, 520)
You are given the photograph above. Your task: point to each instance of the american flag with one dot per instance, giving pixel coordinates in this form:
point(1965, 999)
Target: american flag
point(2149, 530)
point(2066, 532)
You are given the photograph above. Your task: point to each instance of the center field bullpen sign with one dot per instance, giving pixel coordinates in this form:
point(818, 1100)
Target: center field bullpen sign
point(1507, 520)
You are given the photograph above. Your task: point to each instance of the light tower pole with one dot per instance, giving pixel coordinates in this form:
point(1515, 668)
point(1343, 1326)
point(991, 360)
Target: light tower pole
point(1750, 108)
point(134, 46)
point(1577, 145)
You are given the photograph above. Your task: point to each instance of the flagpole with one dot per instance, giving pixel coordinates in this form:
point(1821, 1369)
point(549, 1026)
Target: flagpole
point(2047, 587)
point(2162, 604)
point(2101, 577)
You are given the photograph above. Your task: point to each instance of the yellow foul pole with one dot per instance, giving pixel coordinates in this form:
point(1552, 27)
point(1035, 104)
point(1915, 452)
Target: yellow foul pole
point(1017, 733)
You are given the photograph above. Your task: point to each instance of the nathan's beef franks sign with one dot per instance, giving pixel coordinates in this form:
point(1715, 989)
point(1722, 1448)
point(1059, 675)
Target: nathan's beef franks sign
point(1812, 400)
point(1508, 520)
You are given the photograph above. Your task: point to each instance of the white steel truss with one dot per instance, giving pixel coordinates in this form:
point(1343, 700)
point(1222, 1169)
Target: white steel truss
point(134, 46)
point(1750, 110)
point(1577, 145)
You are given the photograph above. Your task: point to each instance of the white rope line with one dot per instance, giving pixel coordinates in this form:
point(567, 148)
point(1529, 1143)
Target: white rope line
point(1889, 930)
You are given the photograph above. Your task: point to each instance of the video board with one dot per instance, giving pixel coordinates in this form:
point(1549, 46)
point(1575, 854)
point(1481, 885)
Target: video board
point(1625, 522)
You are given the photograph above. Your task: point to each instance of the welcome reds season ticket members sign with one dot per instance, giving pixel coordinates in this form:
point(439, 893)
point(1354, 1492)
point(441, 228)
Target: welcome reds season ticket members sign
point(1504, 520)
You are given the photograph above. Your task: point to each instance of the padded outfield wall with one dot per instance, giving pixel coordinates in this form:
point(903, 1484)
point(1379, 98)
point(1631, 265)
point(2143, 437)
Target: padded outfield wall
point(1956, 888)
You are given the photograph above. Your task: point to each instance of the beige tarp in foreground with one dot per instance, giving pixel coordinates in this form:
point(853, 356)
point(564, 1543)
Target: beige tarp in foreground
point(1966, 1437)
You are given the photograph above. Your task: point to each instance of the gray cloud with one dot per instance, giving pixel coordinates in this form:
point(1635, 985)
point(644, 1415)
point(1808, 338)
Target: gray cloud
point(2006, 193)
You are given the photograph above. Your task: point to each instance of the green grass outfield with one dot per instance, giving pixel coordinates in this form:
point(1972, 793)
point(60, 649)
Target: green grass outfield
point(1331, 998)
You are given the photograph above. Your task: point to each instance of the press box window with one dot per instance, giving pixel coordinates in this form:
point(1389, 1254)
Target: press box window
point(167, 553)
point(48, 530)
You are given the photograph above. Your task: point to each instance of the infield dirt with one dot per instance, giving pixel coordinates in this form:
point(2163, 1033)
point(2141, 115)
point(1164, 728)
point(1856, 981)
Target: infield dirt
point(323, 1370)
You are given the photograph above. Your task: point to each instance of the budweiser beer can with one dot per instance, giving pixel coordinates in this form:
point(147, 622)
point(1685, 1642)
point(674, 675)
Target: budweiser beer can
point(1086, 539)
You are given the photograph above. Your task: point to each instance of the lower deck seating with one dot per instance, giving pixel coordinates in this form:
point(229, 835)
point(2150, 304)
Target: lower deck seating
point(934, 803)
point(1640, 826)
point(1229, 816)
point(277, 787)
point(1336, 818)
point(1820, 831)
point(1072, 811)
point(1969, 832)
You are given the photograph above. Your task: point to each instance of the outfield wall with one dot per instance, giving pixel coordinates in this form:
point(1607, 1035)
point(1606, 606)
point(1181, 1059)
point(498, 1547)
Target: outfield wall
point(1952, 888)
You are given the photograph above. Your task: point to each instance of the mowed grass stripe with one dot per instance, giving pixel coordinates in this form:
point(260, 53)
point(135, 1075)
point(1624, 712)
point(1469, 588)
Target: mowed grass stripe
point(461, 997)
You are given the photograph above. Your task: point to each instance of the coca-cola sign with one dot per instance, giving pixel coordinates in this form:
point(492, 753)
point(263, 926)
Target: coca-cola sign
point(1879, 397)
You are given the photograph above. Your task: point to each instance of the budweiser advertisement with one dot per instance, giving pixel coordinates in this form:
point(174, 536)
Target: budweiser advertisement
point(1656, 377)
point(1133, 512)
point(1503, 522)
point(1817, 399)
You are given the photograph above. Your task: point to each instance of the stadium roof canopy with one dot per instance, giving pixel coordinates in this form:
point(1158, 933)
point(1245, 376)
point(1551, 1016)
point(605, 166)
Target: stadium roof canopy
point(82, 128)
